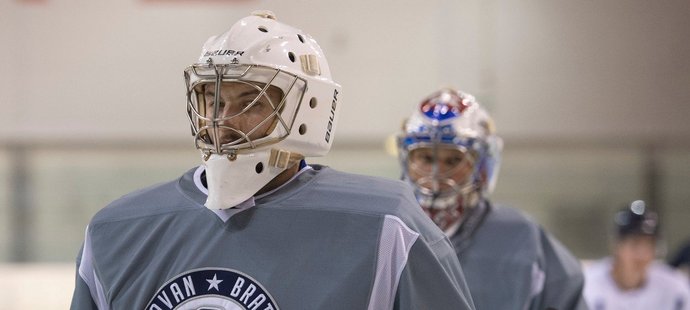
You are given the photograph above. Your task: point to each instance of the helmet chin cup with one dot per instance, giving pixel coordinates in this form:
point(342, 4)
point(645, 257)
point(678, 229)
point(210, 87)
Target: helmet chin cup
point(228, 182)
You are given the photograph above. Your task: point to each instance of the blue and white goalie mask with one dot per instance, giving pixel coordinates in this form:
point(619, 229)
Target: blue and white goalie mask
point(450, 154)
point(259, 99)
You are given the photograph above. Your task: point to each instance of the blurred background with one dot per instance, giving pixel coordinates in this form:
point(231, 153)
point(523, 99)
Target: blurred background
point(592, 99)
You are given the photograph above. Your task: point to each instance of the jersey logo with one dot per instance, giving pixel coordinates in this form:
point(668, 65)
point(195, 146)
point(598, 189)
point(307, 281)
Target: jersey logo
point(212, 289)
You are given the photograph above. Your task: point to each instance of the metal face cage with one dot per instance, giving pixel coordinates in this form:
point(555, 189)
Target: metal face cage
point(441, 170)
point(235, 108)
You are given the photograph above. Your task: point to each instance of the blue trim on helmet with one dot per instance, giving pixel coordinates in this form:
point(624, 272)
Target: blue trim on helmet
point(441, 112)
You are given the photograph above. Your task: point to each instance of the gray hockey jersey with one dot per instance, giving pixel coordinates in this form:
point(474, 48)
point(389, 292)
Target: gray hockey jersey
point(324, 240)
point(512, 263)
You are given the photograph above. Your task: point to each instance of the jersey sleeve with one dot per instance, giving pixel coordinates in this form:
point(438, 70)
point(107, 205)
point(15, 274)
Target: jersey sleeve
point(433, 279)
point(412, 273)
point(81, 298)
point(88, 291)
point(564, 281)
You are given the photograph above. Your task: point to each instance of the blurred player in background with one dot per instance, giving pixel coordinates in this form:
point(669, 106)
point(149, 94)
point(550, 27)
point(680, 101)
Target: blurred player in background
point(255, 226)
point(630, 278)
point(450, 153)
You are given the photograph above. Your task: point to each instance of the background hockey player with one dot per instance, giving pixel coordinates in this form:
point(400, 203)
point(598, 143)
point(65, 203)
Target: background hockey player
point(450, 154)
point(255, 226)
point(630, 279)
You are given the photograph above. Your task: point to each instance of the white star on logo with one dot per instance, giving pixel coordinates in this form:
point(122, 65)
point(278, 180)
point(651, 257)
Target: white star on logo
point(213, 283)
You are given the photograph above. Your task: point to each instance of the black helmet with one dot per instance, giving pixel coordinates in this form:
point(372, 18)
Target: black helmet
point(637, 219)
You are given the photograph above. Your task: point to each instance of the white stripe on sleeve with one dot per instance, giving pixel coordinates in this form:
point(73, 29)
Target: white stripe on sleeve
point(88, 274)
point(395, 243)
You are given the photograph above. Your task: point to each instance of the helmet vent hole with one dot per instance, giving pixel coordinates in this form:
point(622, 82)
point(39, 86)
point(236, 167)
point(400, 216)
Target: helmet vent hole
point(302, 129)
point(312, 102)
point(263, 29)
point(259, 167)
point(291, 55)
point(300, 37)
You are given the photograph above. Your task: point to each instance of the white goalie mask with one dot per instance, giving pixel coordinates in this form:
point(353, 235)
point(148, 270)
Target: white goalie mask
point(259, 99)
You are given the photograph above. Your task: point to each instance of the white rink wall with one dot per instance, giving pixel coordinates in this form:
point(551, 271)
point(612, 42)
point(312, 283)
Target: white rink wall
point(78, 69)
point(36, 286)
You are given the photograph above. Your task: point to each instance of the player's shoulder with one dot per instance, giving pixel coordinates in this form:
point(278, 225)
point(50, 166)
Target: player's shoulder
point(361, 183)
point(360, 195)
point(665, 274)
point(597, 279)
point(510, 219)
point(597, 269)
point(506, 230)
point(345, 185)
point(155, 199)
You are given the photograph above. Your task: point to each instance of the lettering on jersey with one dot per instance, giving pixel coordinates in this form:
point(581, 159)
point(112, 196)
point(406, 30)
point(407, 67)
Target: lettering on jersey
point(223, 53)
point(212, 288)
point(329, 128)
